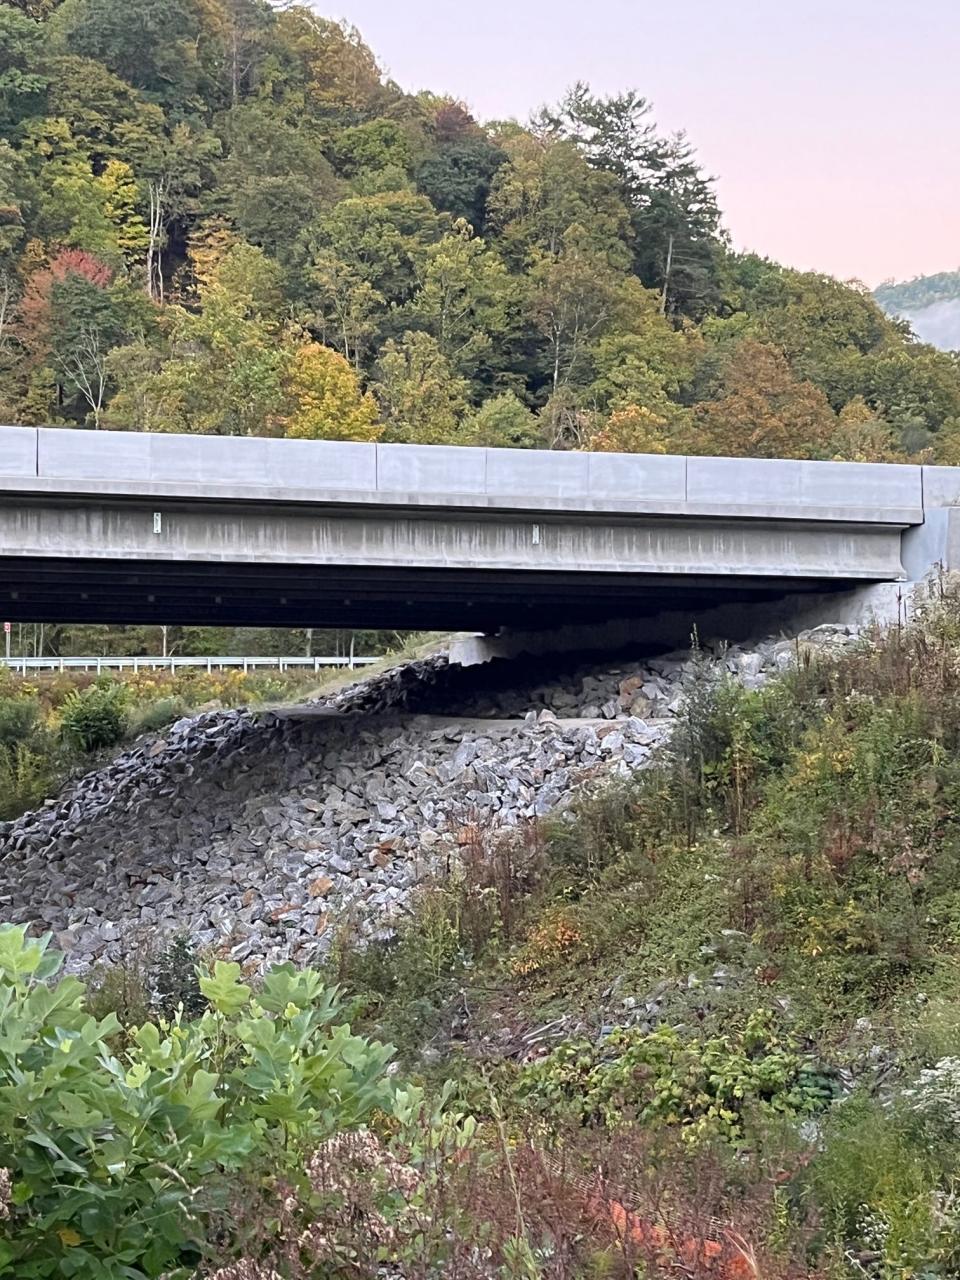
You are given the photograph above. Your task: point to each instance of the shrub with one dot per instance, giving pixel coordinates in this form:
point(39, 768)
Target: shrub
point(149, 980)
point(158, 715)
point(26, 767)
point(552, 938)
point(95, 718)
point(25, 778)
point(703, 1085)
point(880, 1192)
point(18, 719)
point(117, 1164)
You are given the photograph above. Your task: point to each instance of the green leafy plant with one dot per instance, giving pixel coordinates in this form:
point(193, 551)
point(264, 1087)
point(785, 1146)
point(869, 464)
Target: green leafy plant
point(18, 719)
point(95, 718)
point(703, 1085)
point(24, 780)
point(116, 1163)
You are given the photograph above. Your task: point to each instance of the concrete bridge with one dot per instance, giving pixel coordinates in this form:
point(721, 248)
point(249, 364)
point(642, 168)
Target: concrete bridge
point(131, 527)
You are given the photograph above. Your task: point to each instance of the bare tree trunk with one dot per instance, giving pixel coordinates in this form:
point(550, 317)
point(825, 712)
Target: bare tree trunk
point(235, 65)
point(666, 277)
point(6, 299)
point(155, 242)
point(86, 368)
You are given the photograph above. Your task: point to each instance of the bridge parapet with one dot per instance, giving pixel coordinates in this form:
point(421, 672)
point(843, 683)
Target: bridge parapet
point(137, 464)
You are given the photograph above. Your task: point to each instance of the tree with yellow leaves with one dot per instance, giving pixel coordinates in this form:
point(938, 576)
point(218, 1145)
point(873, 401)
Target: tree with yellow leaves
point(326, 400)
point(633, 429)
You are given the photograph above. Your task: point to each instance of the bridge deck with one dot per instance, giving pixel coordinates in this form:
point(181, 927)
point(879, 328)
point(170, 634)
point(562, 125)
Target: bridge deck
point(108, 526)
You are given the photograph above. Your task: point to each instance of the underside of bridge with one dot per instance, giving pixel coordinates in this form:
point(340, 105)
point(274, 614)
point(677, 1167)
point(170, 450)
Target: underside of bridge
point(411, 598)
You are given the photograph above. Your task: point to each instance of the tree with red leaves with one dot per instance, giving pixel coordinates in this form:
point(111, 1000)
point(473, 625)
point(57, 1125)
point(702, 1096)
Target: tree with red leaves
point(68, 320)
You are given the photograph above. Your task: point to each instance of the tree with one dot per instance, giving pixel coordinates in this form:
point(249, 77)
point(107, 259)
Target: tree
point(375, 147)
point(327, 66)
point(502, 422)
point(545, 188)
point(382, 239)
point(458, 174)
point(106, 117)
point(365, 258)
point(632, 429)
point(175, 169)
point(239, 32)
point(223, 367)
point(274, 179)
point(915, 388)
point(80, 205)
point(572, 297)
point(157, 53)
point(325, 397)
point(464, 289)
point(21, 81)
point(863, 436)
point(764, 410)
point(645, 359)
point(673, 206)
point(825, 328)
point(69, 318)
point(17, 196)
point(421, 400)
point(347, 306)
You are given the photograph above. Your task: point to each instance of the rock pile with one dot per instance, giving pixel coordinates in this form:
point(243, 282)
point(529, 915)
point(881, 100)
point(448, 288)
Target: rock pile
point(257, 835)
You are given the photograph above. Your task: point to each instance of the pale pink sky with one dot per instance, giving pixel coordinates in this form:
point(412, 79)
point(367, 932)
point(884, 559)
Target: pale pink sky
point(833, 128)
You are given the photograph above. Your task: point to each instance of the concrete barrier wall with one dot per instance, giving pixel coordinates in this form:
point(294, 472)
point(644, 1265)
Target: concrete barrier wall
point(941, 486)
point(118, 455)
point(425, 475)
point(18, 451)
point(868, 485)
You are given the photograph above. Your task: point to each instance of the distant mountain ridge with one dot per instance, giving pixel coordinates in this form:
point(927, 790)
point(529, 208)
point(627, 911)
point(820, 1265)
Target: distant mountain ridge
point(931, 304)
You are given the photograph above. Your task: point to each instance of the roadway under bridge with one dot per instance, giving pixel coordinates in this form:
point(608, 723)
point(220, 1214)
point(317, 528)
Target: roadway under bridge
point(136, 528)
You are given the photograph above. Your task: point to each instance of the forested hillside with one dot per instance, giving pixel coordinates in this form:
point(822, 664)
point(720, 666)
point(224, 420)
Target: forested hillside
point(930, 304)
point(921, 292)
point(219, 216)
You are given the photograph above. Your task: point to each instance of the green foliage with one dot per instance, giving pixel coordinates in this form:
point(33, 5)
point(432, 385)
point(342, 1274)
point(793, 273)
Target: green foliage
point(27, 752)
point(21, 83)
point(48, 728)
point(502, 422)
point(419, 396)
point(654, 1077)
point(880, 1184)
point(95, 718)
point(150, 980)
point(158, 56)
point(18, 719)
point(174, 979)
point(25, 779)
point(157, 715)
point(118, 1163)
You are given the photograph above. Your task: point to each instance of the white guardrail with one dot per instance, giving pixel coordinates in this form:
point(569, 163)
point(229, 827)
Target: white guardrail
point(23, 665)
